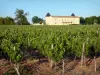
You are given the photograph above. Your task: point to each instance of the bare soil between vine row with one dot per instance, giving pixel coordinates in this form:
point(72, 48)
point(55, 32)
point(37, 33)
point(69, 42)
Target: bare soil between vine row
point(35, 67)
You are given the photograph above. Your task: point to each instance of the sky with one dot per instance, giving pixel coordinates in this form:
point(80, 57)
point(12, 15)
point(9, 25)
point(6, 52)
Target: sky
point(40, 8)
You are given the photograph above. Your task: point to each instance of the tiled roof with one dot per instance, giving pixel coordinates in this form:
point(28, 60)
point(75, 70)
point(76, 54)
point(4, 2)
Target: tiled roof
point(67, 16)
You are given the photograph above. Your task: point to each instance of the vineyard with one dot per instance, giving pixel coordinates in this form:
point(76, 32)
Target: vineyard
point(55, 43)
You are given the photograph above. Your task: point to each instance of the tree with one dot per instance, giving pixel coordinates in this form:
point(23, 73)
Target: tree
point(1, 21)
point(6, 21)
point(98, 18)
point(82, 20)
point(21, 18)
point(40, 20)
point(9, 21)
point(91, 20)
point(88, 20)
point(36, 19)
point(94, 19)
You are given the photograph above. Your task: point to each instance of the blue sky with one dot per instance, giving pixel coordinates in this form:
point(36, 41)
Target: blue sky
point(40, 8)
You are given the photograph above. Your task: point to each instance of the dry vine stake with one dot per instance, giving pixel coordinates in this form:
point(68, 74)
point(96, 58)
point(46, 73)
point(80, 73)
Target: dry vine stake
point(63, 70)
point(82, 57)
point(95, 66)
point(75, 59)
point(51, 63)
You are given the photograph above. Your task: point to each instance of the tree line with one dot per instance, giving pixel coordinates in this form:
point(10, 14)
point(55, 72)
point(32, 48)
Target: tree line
point(90, 20)
point(6, 21)
point(21, 19)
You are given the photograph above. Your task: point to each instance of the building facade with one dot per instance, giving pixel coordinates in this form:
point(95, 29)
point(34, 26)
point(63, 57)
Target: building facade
point(62, 20)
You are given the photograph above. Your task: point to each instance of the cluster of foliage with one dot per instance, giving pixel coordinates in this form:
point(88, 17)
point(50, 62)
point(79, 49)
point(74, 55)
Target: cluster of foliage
point(90, 20)
point(6, 21)
point(54, 42)
point(20, 19)
point(36, 19)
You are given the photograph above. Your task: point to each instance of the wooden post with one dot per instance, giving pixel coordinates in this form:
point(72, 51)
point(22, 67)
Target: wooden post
point(55, 66)
point(95, 66)
point(82, 57)
point(51, 62)
point(63, 70)
point(75, 59)
point(84, 62)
